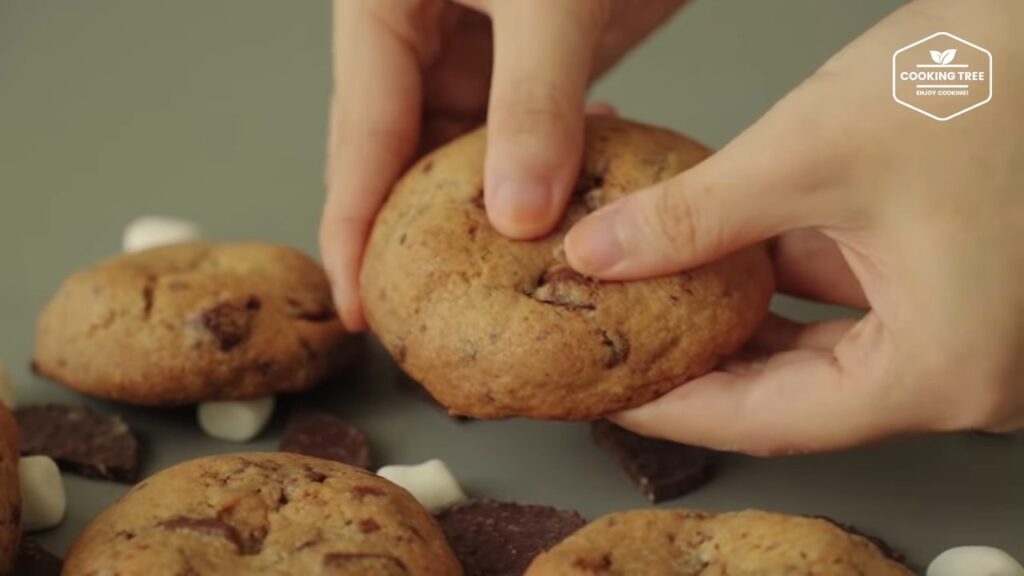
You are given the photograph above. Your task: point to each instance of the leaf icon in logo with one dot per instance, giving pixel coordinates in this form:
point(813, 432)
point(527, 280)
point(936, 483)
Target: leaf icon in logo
point(936, 56)
point(948, 55)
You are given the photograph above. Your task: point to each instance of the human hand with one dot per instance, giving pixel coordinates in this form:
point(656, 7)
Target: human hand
point(874, 206)
point(411, 74)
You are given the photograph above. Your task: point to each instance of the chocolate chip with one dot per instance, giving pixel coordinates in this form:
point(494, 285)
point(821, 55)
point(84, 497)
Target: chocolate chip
point(368, 526)
point(563, 286)
point(80, 441)
point(228, 323)
point(361, 492)
point(491, 538)
point(34, 560)
point(381, 564)
point(206, 527)
point(663, 470)
point(600, 564)
point(322, 435)
point(617, 345)
point(147, 297)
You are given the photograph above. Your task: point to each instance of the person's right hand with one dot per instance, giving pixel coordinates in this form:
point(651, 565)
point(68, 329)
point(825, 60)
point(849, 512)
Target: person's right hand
point(412, 74)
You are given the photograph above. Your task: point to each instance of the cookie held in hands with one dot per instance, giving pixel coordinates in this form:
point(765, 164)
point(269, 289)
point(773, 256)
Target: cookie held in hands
point(496, 328)
point(189, 323)
point(690, 543)
point(270, 513)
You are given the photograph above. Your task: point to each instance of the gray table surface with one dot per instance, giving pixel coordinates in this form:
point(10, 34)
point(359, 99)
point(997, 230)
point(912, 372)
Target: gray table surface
point(214, 111)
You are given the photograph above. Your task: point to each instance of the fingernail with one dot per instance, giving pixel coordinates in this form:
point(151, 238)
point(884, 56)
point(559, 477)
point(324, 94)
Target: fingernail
point(593, 244)
point(520, 207)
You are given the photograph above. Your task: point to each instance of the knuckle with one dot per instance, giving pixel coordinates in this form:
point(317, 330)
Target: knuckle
point(674, 223)
point(536, 113)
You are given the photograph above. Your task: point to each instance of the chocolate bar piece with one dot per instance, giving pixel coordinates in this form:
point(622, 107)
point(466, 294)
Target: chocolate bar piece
point(80, 441)
point(663, 470)
point(492, 538)
point(325, 436)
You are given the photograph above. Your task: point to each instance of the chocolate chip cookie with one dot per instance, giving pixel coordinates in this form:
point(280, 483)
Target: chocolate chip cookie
point(496, 328)
point(10, 494)
point(190, 323)
point(691, 543)
point(270, 513)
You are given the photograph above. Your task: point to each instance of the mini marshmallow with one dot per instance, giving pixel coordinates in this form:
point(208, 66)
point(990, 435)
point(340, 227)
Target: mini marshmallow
point(235, 420)
point(152, 231)
point(43, 500)
point(975, 561)
point(6, 388)
point(431, 482)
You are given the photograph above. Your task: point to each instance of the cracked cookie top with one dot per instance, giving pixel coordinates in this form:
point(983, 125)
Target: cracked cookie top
point(495, 328)
point(691, 543)
point(262, 514)
point(189, 323)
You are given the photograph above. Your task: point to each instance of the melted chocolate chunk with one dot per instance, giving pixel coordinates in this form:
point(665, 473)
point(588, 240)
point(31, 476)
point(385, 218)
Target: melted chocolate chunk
point(229, 323)
point(663, 470)
point(322, 435)
point(205, 526)
point(563, 286)
point(80, 441)
point(492, 538)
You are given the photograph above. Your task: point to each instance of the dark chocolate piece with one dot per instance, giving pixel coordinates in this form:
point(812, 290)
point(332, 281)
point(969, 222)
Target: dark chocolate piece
point(80, 441)
point(34, 560)
point(663, 470)
point(322, 435)
point(492, 538)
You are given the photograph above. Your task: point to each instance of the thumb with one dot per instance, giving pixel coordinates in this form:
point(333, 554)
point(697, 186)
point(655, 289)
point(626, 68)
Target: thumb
point(771, 179)
point(542, 60)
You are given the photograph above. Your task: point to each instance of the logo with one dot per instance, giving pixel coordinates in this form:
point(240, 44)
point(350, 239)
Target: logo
point(942, 76)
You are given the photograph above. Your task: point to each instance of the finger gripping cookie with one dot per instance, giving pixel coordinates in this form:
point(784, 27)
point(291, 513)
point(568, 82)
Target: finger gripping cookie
point(10, 493)
point(693, 543)
point(496, 328)
point(264, 514)
point(190, 323)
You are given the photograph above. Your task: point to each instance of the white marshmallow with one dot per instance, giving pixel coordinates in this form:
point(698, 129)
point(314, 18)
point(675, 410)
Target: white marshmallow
point(432, 483)
point(43, 500)
point(235, 420)
point(152, 231)
point(6, 388)
point(975, 561)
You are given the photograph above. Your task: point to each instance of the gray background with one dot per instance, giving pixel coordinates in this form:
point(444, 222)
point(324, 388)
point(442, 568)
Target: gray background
point(213, 110)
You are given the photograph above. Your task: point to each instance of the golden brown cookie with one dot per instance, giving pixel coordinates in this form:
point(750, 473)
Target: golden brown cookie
point(692, 543)
point(256, 514)
point(192, 322)
point(10, 494)
point(497, 328)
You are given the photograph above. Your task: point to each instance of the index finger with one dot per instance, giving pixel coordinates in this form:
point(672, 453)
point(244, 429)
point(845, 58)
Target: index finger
point(373, 133)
